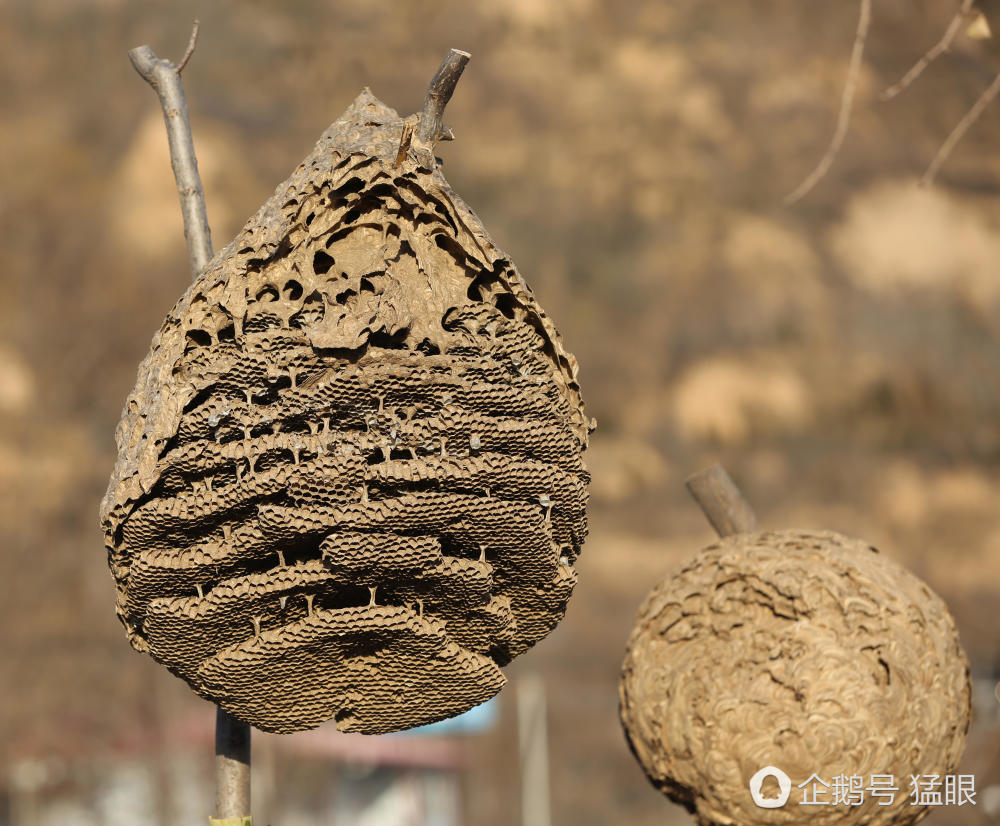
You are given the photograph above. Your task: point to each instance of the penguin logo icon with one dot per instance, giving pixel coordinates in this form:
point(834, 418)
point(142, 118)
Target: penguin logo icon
point(784, 788)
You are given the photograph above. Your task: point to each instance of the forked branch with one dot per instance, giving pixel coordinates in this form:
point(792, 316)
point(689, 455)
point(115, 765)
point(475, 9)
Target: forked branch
point(943, 45)
point(232, 736)
point(933, 53)
point(165, 78)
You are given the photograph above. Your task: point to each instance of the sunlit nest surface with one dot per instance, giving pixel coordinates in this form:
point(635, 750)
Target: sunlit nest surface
point(350, 482)
point(810, 652)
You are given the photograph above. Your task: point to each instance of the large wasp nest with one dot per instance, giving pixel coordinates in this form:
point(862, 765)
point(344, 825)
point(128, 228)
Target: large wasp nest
point(805, 651)
point(349, 482)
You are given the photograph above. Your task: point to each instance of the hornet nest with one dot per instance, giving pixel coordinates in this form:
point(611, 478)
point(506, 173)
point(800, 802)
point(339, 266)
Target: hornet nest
point(805, 651)
point(349, 483)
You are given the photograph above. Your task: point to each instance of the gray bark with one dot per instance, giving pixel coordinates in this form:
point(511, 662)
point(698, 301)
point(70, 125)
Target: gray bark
point(232, 736)
point(164, 76)
point(721, 501)
point(439, 93)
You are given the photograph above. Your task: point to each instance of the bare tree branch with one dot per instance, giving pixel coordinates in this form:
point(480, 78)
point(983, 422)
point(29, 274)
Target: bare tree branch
point(933, 53)
point(232, 736)
point(846, 102)
point(439, 93)
point(190, 49)
point(165, 79)
point(232, 769)
point(960, 129)
point(721, 501)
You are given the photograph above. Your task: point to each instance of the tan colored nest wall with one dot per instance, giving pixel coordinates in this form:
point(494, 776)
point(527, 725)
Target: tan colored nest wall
point(807, 651)
point(350, 481)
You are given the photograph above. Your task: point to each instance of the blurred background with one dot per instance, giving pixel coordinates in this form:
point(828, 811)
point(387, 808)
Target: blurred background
point(841, 357)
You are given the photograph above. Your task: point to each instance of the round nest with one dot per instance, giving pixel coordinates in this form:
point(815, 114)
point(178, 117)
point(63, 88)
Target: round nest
point(805, 651)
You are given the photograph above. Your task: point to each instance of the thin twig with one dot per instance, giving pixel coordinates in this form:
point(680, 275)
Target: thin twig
point(165, 79)
point(721, 501)
point(959, 131)
point(404, 144)
point(846, 101)
point(933, 53)
point(190, 49)
point(439, 92)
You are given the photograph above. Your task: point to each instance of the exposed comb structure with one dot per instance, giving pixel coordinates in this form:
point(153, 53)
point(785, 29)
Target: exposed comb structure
point(350, 482)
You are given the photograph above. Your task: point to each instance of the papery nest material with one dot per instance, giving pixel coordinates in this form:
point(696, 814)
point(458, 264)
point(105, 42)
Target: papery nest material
point(806, 651)
point(350, 482)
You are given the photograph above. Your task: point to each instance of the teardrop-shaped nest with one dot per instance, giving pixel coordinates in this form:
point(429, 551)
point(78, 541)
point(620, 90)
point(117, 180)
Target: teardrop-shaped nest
point(806, 651)
point(350, 483)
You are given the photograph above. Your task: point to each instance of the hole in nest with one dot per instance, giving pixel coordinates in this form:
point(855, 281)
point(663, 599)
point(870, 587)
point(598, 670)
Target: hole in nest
point(428, 349)
point(500, 654)
point(344, 596)
point(367, 285)
point(268, 293)
point(507, 304)
point(375, 457)
point(322, 262)
point(450, 246)
point(396, 341)
point(200, 338)
point(401, 453)
point(198, 399)
point(279, 382)
point(292, 290)
point(353, 185)
point(481, 287)
point(227, 333)
point(309, 218)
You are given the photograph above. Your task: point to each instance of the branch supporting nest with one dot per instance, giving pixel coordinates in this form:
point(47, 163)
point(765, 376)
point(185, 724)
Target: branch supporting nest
point(722, 502)
point(232, 767)
point(441, 88)
point(165, 78)
point(844, 116)
point(232, 736)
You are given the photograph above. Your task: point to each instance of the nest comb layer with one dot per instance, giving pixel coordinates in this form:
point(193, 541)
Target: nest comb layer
point(350, 482)
point(806, 651)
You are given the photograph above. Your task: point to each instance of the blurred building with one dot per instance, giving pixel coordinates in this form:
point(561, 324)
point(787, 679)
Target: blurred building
point(321, 776)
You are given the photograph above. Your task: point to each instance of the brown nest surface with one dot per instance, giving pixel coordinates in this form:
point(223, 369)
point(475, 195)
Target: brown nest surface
point(807, 651)
point(350, 481)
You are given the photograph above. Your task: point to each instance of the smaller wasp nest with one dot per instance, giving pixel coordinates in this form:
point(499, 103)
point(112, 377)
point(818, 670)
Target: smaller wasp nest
point(350, 482)
point(806, 651)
